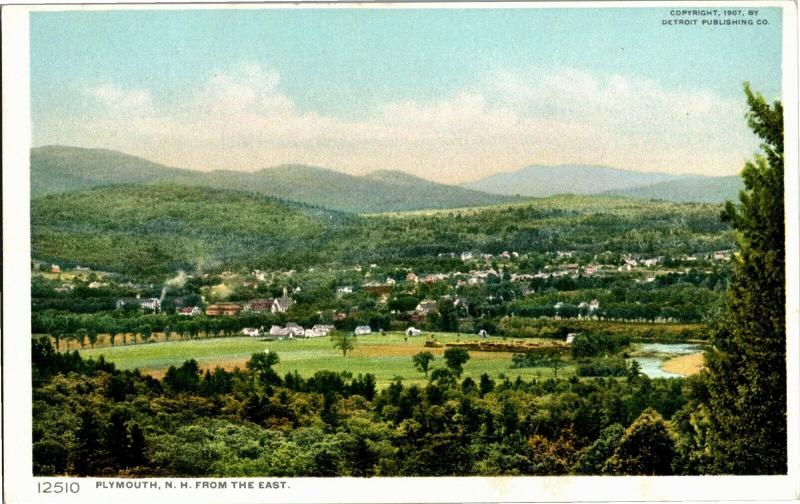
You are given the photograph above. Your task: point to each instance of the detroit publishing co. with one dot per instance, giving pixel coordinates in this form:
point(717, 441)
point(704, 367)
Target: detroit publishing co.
point(713, 17)
point(193, 485)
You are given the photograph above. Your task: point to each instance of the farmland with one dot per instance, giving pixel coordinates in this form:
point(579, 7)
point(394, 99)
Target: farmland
point(386, 357)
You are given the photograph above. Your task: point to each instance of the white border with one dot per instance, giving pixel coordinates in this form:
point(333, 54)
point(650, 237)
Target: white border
point(20, 486)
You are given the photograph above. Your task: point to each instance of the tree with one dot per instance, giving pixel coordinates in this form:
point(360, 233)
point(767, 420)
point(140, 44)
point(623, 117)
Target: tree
point(422, 361)
point(344, 341)
point(261, 365)
point(646, 448)
point(747, 365)
point(455, 358)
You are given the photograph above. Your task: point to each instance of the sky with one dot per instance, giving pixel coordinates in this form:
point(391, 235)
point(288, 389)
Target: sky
point(450, 95)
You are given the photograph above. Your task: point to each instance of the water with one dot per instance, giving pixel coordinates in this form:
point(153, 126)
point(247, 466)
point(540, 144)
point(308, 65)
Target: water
point(651, 365)
point(669, 348)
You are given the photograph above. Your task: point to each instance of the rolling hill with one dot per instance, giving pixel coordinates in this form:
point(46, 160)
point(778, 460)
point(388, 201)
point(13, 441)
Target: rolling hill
point(140, 229)
point(146, 230)
point(541, 181)
point(57, 169)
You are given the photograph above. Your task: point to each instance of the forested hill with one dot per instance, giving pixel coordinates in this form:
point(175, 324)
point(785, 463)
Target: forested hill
point(57, 169)
point(142, 229)
point(163, 227)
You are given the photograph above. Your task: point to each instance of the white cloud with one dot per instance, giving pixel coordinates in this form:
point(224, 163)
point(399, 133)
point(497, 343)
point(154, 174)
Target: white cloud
point(241, 120)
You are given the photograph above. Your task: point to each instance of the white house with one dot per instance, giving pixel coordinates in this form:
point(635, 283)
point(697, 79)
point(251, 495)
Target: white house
point(251, 331)
point(426, 307)
point(344, 290)
point(277, 331)
point(150, 304)
point(412, 331)
point(318, 331)
point(295, 330)
point(483, 334)
point(363, 329)
point(466, 256)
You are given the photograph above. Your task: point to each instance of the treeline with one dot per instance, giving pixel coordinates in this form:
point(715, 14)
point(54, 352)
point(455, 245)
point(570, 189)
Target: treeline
point(609, 330)
point(91, 419)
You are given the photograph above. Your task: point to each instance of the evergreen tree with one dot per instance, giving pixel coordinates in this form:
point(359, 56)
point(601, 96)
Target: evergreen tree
point(747, 367)
point(646, 448)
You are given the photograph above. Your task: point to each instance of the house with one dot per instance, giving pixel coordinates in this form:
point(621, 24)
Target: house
point(260, 305)
point(55, 268)
point(189, 311)
point(344, 290)
point(426, 307)
point(277, 331)
point(150, 304)
point(558, 305)
point(411, 331)
point(97, 285)
point(467, 256)
point(281, 304)
point(146, 304)
point(483, 334)
point(363, 329)
point(390, 281)
point(228, 309)
point(571, 338)
point(250, 331)
point(412, 277)
point(295, 330)
point(318, 330)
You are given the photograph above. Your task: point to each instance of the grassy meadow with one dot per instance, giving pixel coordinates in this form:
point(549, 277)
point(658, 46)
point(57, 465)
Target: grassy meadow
point(384, 356)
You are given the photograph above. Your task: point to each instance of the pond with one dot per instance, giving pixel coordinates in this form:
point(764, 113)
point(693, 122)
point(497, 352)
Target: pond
point(651, 356)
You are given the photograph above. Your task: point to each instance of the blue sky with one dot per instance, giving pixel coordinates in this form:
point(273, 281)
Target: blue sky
point(350, 86)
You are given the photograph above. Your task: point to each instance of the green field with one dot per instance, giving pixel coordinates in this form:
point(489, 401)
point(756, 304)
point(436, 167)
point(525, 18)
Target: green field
point(385, 356)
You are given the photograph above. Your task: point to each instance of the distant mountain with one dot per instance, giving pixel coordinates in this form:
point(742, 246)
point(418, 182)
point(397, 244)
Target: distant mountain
point(694, 189)
point(57, 169)
point(540, 181)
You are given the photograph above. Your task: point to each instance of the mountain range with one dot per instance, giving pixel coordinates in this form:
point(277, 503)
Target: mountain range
point(59, 169)
point(541, 181)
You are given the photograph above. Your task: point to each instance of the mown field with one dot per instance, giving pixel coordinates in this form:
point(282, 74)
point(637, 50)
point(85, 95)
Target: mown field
point(386, 356)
